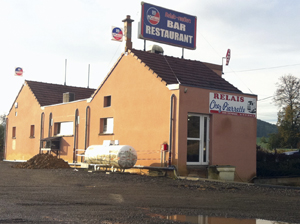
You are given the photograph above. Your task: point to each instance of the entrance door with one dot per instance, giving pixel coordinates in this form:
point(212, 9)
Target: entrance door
point(197, 139)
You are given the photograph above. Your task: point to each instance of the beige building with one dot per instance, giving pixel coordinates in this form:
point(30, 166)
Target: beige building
point(146, 100)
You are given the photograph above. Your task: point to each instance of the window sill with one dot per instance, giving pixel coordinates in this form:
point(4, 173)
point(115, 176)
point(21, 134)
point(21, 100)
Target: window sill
point(31, 137)
point(106, 134)
point(197, 167)
point(63, 135)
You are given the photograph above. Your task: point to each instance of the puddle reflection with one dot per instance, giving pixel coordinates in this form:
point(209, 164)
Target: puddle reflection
point(200, 219)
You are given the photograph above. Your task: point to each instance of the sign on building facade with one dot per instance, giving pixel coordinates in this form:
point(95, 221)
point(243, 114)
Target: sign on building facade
point(221, 103)
point(167, 26)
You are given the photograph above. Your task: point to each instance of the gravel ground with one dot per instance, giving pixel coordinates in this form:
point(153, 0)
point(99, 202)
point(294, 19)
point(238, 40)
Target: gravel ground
point(68, 196)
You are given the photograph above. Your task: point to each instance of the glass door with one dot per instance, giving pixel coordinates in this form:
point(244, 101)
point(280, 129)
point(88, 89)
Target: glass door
point(197, 139)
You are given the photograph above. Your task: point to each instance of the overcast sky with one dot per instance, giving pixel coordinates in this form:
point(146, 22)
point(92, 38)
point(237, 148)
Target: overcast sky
point(38, 35)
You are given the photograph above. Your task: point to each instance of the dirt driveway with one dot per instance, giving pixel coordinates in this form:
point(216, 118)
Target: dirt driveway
point(67, 196)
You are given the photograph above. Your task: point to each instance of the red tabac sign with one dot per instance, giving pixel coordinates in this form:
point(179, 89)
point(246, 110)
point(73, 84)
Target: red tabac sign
point(228, 56)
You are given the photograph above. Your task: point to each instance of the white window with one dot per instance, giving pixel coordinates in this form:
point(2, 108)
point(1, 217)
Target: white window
point(64, 128)
point(198, 139)
point(107, 125)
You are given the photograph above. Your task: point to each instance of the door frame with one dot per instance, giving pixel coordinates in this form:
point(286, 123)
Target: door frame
point(200, 139)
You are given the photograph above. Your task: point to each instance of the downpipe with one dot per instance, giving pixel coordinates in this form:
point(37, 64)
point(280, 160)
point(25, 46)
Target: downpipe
point(75, 136)
point(171, 129)
point(87, 115)
point(41, 131)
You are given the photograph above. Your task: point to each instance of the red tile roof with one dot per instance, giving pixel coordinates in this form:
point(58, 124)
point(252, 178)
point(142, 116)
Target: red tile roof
point(49, 94)
point(186, 72)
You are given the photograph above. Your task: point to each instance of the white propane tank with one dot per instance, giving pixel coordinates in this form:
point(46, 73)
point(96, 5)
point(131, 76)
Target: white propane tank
point(122, 156)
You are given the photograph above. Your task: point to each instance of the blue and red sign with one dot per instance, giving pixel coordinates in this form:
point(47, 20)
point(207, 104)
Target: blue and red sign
point(167, 26)
point(153, 16)
point(19, 71)
point(117, 34)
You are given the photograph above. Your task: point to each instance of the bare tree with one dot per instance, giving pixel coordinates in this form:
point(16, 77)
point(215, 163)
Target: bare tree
point(287, 98)
point(288, 92)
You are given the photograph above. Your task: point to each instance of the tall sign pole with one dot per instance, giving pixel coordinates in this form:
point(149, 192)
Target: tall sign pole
point(65, 71)
point(88, 85)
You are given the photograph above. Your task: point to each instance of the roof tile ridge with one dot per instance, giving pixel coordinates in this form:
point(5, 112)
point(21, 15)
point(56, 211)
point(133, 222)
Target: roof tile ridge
point(147, 67)
point(141, 61)
point(171, 56)
point(183, 59)
point(15, 99)
point(26, 82)
point(56, 84)
point(132, 53)
point(108, 74)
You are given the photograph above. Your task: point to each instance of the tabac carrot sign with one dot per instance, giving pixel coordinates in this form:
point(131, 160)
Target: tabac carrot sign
point(221, 103)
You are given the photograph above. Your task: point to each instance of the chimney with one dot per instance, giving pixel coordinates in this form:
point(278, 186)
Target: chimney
point(68, 97)
point(127, 32)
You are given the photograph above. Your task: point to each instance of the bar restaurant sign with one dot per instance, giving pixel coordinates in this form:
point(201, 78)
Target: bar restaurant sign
point(167, 26)
point(220, 103)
